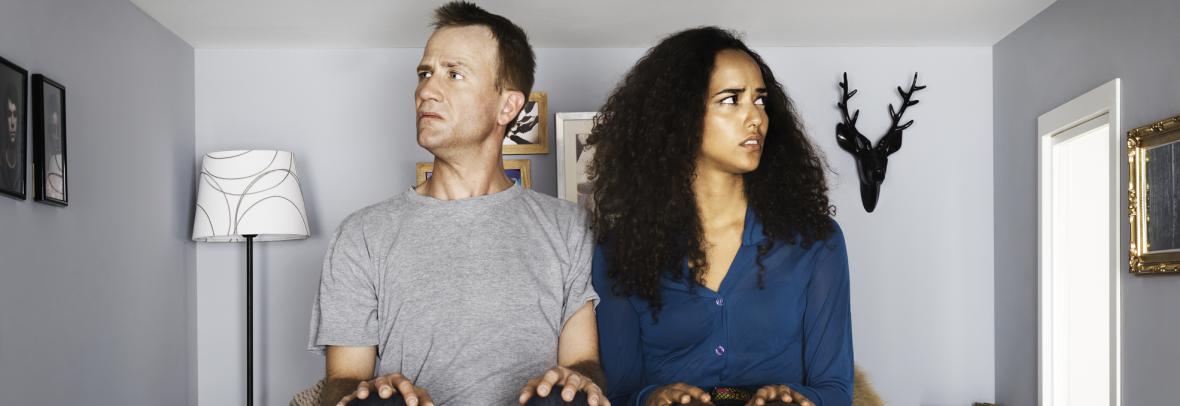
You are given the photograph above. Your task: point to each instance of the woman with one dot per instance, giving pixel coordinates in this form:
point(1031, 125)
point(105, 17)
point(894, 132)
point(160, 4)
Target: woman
point(722, 277)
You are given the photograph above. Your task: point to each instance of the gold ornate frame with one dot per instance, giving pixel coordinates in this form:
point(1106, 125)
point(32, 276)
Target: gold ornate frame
point(1139, 140)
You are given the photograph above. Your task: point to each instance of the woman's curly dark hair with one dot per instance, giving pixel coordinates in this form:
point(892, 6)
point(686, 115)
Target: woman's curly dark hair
point(646, 141)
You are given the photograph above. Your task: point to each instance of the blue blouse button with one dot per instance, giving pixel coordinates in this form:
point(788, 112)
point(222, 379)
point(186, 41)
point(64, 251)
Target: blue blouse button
point(720, 350)
point(719, 302)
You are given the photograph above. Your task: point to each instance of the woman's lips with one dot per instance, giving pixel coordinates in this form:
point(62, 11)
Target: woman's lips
point(754, 143)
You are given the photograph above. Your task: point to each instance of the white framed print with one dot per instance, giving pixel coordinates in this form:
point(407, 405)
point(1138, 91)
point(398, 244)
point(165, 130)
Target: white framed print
point(574, 157)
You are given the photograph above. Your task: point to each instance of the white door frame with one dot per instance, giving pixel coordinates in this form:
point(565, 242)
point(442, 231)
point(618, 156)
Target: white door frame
point(1104, 100)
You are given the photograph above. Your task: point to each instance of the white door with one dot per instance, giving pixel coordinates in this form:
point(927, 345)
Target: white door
point(1079, 243)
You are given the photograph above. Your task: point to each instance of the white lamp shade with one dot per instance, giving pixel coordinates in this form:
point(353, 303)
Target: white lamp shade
point(249, 192)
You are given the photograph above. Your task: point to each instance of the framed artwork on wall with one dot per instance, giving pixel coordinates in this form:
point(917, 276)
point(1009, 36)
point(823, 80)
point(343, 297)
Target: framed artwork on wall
point(1153, 157)
point(14, 85)
point(49, 142)
point(529, 134)
point(573, 157)
point(518, 170)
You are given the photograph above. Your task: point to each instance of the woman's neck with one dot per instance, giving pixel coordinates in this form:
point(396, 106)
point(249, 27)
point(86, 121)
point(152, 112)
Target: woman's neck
point(721, 198)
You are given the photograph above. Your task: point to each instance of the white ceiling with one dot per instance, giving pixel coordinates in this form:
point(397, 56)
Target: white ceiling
point(596, 24)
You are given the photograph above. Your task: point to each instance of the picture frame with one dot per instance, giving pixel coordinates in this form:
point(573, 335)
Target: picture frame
point(50, 178)
point(14, 103)
point(529, 135)
point(518, 170)
point(1153, 154)
point(573, 158)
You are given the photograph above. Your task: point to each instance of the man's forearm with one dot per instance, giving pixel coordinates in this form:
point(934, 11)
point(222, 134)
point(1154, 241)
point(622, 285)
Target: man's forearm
point(336, 389)
point(592, 370)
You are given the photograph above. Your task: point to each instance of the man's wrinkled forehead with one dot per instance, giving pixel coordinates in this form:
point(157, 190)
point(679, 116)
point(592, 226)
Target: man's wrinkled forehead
point(472, 46)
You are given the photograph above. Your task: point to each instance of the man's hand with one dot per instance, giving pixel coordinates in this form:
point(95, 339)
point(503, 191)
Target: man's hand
point(388, 385)
point(677, 394)
point(572, 383)
point(781, 393)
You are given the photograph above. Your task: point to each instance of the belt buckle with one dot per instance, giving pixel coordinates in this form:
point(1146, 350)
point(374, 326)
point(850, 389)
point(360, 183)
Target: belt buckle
point(730, 393)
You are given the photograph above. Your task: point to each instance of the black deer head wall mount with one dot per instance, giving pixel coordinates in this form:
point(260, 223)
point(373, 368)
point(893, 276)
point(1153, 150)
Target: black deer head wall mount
point(871, 161)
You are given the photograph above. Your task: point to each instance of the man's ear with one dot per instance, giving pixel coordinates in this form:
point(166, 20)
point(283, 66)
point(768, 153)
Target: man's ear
point(514, 100)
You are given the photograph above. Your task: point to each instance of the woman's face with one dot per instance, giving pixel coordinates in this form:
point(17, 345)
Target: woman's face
point(735, 116)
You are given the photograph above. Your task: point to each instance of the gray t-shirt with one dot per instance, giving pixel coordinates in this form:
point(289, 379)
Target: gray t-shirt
point(465, 297)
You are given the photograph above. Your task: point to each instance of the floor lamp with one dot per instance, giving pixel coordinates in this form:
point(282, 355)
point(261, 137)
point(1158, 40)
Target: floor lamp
point(247, 196)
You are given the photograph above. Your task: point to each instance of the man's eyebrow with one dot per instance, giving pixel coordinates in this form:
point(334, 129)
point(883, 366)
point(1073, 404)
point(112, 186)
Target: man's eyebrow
point(449, 64)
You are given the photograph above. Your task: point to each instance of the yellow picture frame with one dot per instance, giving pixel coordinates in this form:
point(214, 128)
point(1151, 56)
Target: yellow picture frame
point(536, 119)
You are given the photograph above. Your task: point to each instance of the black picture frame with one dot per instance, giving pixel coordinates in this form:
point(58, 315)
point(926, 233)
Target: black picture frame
point(14, 84)
point(50, 177)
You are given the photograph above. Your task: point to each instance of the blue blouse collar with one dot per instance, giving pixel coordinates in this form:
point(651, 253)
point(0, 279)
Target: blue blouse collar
point(752, 234)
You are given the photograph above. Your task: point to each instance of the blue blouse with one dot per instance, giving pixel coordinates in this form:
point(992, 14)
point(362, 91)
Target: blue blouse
point(796, 331)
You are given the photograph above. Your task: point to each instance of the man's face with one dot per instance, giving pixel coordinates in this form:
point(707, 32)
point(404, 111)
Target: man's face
point(12, 120)
point(456, 98)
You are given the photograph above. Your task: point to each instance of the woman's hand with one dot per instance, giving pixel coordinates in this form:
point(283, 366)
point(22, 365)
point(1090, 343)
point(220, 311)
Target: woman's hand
point(677, 394)
point(778, 393)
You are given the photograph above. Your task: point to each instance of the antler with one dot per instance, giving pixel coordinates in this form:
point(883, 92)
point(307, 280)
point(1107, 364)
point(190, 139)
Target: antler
point(905, 102)
point(843, 103)
point(847, 136)
point(891, 142)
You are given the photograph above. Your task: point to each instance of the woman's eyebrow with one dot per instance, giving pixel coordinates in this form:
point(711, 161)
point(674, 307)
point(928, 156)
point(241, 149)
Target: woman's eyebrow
point(733, 90)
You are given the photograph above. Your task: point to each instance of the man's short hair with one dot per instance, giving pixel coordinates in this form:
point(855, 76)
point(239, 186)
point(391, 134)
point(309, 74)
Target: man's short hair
point(516, 59)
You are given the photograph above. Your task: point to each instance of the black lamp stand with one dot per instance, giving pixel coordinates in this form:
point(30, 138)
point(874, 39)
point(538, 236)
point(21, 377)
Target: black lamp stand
point(250, 318)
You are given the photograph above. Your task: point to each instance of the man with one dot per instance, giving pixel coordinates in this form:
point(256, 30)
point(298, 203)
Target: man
point(462, 289)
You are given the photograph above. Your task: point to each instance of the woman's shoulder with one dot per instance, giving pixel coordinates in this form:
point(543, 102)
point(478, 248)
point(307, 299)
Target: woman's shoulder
point(826, 240)
point(818, 248)
point(833, 242)
point(836, 236)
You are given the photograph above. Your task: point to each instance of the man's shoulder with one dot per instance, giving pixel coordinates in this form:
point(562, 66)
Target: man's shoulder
point(377, 213)
point(560, 209)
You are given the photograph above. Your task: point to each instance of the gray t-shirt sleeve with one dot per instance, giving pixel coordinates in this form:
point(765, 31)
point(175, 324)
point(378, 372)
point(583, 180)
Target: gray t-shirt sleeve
point(345, 309)
point(578, 288)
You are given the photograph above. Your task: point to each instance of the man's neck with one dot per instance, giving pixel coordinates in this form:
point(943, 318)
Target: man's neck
point(456, 176)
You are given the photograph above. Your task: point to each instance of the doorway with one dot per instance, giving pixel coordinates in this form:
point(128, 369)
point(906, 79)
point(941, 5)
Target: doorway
point(1079, 247)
